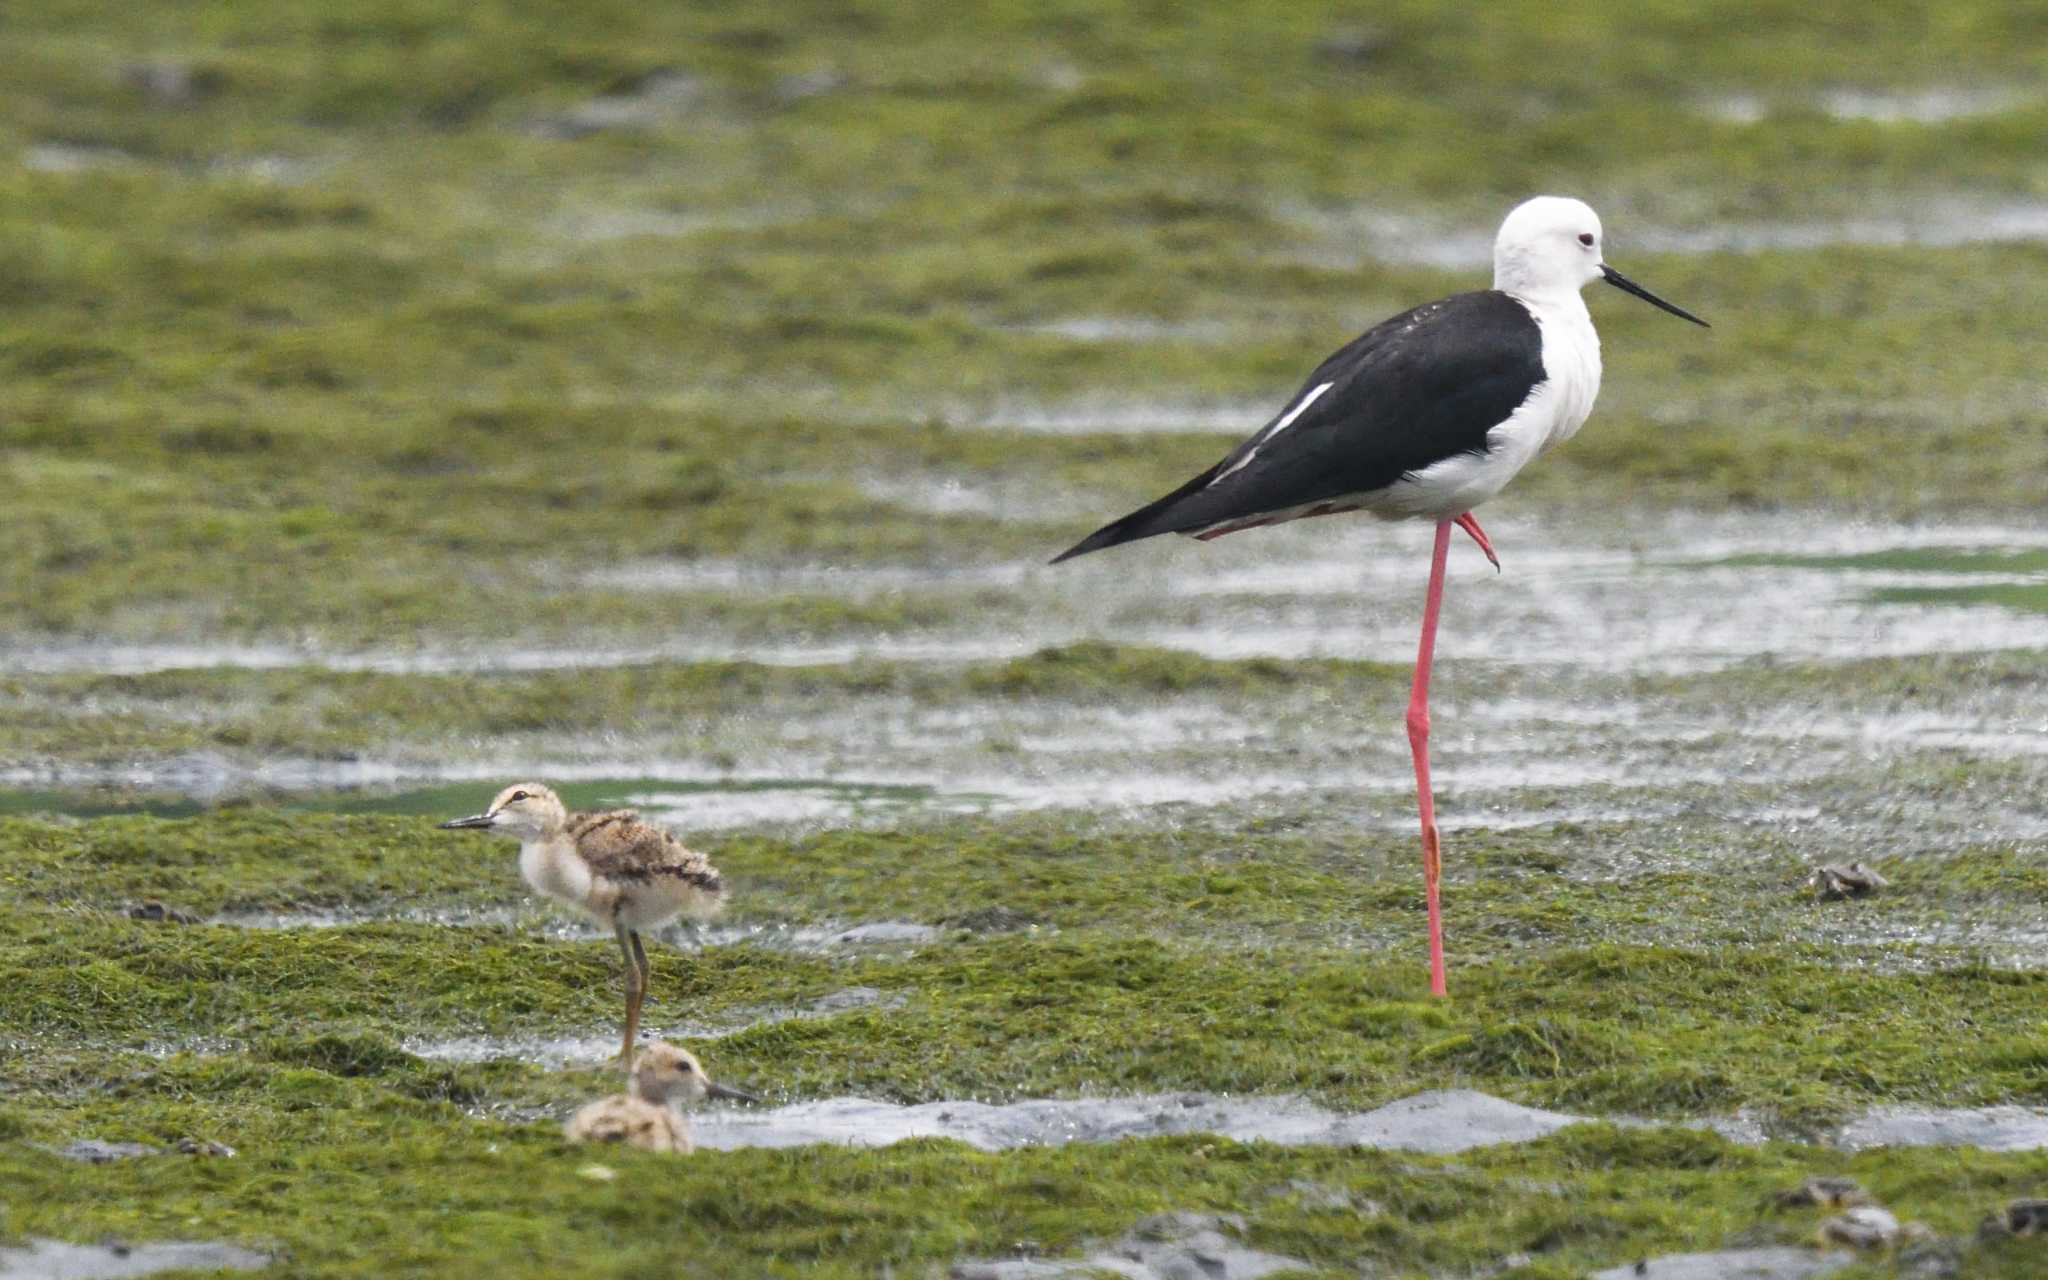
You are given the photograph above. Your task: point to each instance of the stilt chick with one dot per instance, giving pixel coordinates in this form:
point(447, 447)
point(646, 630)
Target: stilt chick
point(649, 1115)
point(626, 874)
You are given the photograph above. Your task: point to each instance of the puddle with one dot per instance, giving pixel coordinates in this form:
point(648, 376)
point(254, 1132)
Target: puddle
point(66, 157)
point(848, 581)
point(1936, 105)
point(601, 226)
point(659, 99)
point(1139, 329)
point(72, 158)
point(685, 798)
point(1921, 106)
point(1986, 1128)
point(1347, 239)
point(56, 1260)
point(810, 939)
point(1344, 590)
point(1534, 702)
point(1438, 1123)
point(94, 1151)
point(560, 1051)
point(1166, 1246)
point(1775, 1263)
point(144, 659)
point(1113, 417)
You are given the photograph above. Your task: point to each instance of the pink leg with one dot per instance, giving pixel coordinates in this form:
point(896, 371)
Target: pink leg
point(1418, 741)
point(1471, 526)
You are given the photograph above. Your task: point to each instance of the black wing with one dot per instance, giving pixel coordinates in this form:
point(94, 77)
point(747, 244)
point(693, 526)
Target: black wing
point(1422, 387)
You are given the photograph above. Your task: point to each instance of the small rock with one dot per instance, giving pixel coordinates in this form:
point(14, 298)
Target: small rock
point(1060, 77)
point(2020, 1218)
point(204, 1147)
point(1827, 1193)
point(1930, 1260)
point(811, 84)
point(157, 913)
point(991, 920)
point(2027, 1217)
point(655, 99)
point(172, 84)
point(1851, 880)
point(1867, 1226)
point(1355, 46)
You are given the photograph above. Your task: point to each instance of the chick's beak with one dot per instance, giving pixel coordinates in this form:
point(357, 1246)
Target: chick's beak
point(473, 820)
point(716, 1090)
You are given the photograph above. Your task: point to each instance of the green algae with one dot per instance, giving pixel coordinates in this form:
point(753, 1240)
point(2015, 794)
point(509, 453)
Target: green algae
point(319, 712)
point(454, 358)
point(482, 1192)
point(418, 388)
point(1130, 963)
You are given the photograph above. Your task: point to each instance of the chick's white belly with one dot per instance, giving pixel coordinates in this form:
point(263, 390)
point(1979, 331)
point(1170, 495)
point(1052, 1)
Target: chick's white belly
point(566, 879)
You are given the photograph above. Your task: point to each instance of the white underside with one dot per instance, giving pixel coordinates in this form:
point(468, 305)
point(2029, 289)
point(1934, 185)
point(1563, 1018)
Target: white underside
point(1552, 414)
point(555, 869)
point(552, 868)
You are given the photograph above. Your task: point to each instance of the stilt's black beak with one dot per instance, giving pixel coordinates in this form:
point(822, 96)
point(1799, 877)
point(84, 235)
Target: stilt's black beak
point(728, 1092)
point(464, 824)
point(1627, 285)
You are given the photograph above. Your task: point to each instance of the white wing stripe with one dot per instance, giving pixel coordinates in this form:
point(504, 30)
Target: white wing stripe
point(1297, 411)
point(1267, 437)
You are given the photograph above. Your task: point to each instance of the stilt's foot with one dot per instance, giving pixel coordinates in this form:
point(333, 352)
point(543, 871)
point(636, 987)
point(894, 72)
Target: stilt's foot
point(1471, 526)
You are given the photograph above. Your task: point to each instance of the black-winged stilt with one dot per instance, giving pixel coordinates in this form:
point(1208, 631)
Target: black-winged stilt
point(1424, 416)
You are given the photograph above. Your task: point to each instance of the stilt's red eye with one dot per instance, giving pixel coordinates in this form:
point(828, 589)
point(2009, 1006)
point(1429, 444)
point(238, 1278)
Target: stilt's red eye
point(1586, 238)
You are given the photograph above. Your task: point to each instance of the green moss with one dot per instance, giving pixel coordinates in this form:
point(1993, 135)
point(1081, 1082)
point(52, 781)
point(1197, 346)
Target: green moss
point(416, 392)
point(422, 1186)
point(455, 344)
point(1094, 668)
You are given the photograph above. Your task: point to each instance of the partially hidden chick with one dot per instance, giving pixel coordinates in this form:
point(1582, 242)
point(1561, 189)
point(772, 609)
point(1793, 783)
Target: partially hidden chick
point(649, 1115)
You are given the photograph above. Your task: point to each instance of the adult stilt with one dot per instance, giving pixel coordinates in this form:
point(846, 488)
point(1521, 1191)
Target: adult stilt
point(1423, 416)
point(1418, 742)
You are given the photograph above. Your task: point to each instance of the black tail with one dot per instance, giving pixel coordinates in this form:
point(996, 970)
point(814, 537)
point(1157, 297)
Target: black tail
point(1148, 521)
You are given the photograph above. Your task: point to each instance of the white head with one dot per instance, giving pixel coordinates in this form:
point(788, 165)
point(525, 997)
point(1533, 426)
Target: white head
point(524, 811)
point(1547, 245)
point(1552, 246)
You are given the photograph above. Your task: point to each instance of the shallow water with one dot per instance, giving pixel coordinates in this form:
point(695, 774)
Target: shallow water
point(58, 1260)
point(1674, 593)
point(1439, 1123)
point(1167, 1246)
point(1347, 239)
point(1776, 1262)
point(1936, 104)
point(1537, 718)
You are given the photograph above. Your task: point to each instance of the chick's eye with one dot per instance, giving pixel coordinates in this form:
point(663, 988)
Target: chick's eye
point(1586, 238)
point(517, 796)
